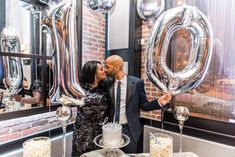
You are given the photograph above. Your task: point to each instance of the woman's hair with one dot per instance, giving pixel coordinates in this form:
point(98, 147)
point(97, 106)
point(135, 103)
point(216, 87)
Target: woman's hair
point(88, 72)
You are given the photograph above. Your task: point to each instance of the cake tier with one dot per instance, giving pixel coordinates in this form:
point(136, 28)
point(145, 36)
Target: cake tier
point(112, 134)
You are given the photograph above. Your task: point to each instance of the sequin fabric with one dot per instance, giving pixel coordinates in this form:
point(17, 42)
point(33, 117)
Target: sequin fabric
point(89, 117)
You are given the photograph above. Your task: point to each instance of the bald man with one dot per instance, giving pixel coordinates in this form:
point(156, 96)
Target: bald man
point(128, 96)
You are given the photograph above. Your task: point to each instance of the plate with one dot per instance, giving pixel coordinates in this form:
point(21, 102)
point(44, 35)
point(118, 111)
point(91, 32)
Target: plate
point(99, 141)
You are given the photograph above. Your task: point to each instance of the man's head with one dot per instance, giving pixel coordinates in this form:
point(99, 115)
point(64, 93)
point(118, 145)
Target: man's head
point(114, 65)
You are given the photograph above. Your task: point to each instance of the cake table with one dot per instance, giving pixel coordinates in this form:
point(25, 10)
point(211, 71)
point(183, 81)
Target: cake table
point(108, 151)
point(183, 154)
point(101, 153)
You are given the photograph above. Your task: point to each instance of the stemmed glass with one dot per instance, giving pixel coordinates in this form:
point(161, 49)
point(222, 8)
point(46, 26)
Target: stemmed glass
point(8, 100)
point(181, 114)
point(64, 114)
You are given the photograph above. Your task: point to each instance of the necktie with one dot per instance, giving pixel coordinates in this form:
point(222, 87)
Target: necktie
point(118, 100)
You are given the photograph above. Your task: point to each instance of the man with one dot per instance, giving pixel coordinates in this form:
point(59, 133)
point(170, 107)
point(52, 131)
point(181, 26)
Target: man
point(128, 96)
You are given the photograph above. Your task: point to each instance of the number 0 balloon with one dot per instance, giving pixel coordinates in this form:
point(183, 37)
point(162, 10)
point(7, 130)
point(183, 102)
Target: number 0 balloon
point(199, 28)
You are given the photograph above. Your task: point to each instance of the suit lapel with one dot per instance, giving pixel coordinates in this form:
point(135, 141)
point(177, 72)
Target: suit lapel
point(130, 86)
point(111, 91)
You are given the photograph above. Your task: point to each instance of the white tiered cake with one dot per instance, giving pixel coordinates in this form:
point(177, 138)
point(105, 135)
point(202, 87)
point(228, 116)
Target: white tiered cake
point(112, 134)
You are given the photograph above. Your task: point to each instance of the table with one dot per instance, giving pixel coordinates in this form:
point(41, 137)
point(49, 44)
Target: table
point(184, 154)
point(119, 153)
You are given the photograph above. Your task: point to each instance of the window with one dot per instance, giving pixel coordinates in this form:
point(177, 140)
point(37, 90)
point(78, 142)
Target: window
point(214, 98)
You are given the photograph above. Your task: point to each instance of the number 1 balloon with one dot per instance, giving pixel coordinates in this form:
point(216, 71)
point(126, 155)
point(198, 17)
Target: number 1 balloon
point(13, 72)
point(33, 5)
point(199, 28)
point(60, 22)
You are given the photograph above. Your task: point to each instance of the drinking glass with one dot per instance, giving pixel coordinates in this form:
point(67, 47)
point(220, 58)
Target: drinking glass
point(161, 145)
point(37, 147)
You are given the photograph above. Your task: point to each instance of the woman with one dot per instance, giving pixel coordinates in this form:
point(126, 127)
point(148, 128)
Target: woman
point(36, 87)
point(93, 113)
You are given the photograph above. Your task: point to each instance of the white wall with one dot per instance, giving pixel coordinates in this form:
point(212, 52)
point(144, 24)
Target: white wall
point(18, 18)
point(118, 25)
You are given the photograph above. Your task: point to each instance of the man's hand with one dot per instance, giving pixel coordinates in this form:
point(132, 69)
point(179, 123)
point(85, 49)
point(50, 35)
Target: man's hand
point(165, 99)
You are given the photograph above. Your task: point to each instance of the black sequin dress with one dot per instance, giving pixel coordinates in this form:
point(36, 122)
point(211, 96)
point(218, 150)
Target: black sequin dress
point(89, 117)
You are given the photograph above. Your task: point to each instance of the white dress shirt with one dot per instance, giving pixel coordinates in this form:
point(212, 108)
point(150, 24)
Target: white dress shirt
point(123, 119)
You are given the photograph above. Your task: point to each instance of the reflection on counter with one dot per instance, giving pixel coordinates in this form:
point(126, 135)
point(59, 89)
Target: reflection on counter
point(9, 103)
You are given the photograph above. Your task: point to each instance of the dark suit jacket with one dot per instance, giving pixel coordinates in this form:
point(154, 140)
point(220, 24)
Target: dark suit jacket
point(135, 99)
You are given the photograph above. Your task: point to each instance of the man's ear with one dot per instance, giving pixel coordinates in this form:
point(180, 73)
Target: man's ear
point(117, 68)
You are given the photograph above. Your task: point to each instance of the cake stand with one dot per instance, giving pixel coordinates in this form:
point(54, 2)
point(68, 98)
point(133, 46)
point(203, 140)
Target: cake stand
point(111, 151)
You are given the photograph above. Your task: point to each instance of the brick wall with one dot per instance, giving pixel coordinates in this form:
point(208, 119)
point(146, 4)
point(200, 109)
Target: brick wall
point(151, 91)
point(94, 47)
point(20, 127)
point(93, 40)
point(94, 43)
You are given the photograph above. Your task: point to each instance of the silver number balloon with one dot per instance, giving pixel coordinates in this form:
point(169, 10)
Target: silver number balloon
point(199, 28)
point(106, 5)
point(34, 5)
point(61, 23)
point(13, 72)
point(64, 113)
point(150, 9)
point(93, 4)
point(102, 6)
point(47, 29)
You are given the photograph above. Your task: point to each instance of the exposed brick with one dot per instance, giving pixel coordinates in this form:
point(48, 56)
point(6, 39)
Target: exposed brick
point(20, 127)
point(52, 119)
point(11, 122)
point(30, 118)
point(44, 127)
point(4, 131)
point(54, 124)
point(10, 136)
point(40, 122)
point(29, 131)
point(47, 115)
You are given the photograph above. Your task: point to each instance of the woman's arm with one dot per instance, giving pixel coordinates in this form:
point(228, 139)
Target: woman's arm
point(35, 99)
